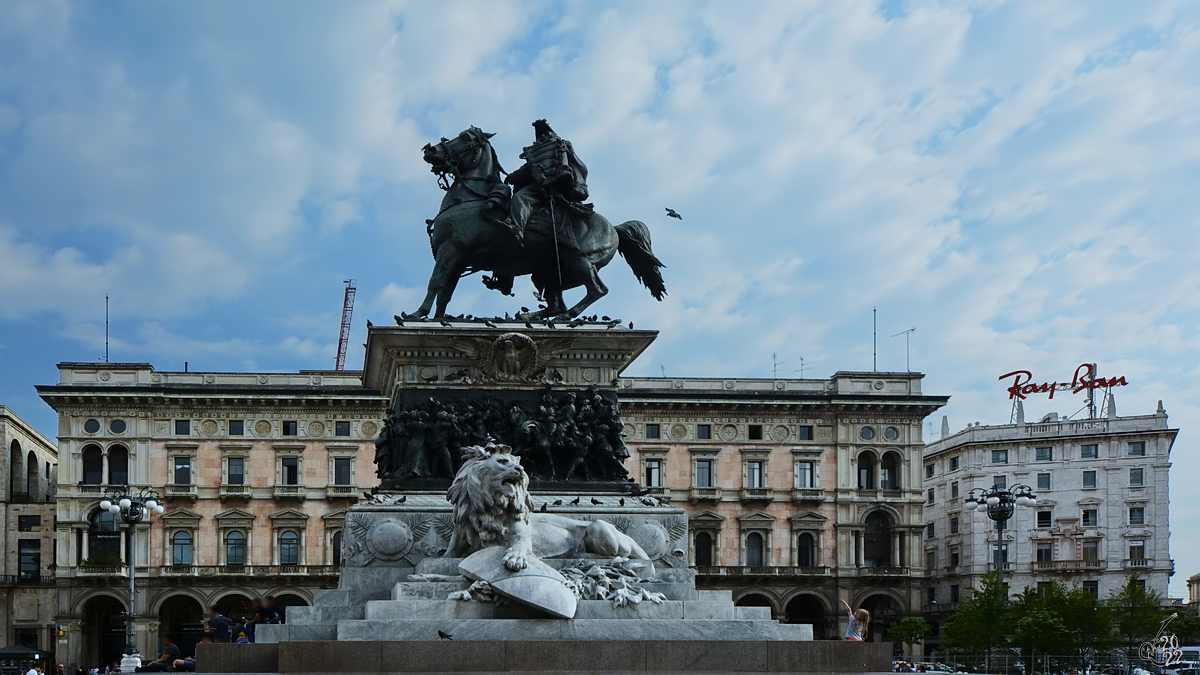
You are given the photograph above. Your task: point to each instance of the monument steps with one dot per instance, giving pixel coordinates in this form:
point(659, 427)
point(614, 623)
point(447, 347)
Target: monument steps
point(733, 630)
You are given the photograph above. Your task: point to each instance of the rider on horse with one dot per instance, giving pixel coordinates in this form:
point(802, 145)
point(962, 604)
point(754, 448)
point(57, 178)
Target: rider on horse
point(551, 171)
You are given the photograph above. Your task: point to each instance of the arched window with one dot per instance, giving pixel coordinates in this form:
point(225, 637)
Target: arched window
point(181, 548)
point(704, 549)
point(866, 471)
point(14, 468)
point(877, 540)
point(118, 465)
point(754, 550)
point(31, 477)
point(235, 548)
point(93, 465)
point(889, 471)
point(289, 548)
point(806, 550)
point(104, 539)
point(337, 548)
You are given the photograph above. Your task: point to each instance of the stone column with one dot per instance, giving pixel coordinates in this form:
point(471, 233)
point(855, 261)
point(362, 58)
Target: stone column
point(895, 549)
point(104, 468)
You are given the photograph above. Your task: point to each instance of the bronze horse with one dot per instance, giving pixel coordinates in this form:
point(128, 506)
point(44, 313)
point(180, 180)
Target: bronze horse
point(466, 237)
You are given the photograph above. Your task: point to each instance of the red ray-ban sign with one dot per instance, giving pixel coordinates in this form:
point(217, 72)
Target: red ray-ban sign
point(1083, 379)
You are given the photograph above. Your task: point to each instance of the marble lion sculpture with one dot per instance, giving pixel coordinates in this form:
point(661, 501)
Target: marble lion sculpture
point(492, 507)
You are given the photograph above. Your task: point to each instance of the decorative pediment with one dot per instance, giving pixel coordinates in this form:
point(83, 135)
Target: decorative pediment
point(288, 514)
point(338, 516)
point(181, 517)
point(1045, 503)
point(707, 517)
point(1090, 501)
point(808, 518)
point(235, 518)
point(756, 517)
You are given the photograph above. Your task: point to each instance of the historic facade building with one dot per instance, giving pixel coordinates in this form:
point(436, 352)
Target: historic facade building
point(800, 493)
point(1101, 513)
point(255, 470)
point(30, 469)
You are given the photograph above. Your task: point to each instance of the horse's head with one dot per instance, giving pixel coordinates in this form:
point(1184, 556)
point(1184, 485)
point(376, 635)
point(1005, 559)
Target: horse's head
point(459, 155)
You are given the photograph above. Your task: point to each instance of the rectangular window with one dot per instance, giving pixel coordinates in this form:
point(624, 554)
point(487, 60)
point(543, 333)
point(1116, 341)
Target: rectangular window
point(805, 475)
point(954, 593)
point(1091, 550)
point(28, 523)
point(755, 432)
point(1136, 477)
point(1000, 481)
point(755, 477)
point(930, 531)
point(954, 557)
point(953, 524)
point(291, 470)
point(1140, 583)
point(954, 490)
point(704, 473)
point(1137, 550)
point(931, 560)
point(653, 431)
point(1003, 553)
point(237, 427)
point(237, 470)
point(704, 432)
point(999, 457)
point(930, 495)
point(1042, 587)
point(1089, 451)
point(341, 428)
point(1137, 515)
point(1043, 454)
point(1091, 518)
point(1092, 588)
point(1137, 449)
point(1045, 551)
point(291, 428)
point(1044, 518)
point(183, 427)
point(954, 463)
point(1089, 479)
point(183, 471)
point(932, 591)
point(654, 476)
point(29, 559)
point(341, 471)
point(1043, 481)
point(930, 470)
point(806, 432)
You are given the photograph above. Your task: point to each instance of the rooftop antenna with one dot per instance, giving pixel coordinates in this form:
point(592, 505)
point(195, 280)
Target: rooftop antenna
point(344, 336)
point(907, 334)
point(106, 327)
point(803, 364)
point(664, 370)
point(874, 340)
point(775, 363)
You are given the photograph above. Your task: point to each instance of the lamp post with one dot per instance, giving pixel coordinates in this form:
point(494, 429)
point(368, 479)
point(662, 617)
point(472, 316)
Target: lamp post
point(1000, 503)
point(133, 507)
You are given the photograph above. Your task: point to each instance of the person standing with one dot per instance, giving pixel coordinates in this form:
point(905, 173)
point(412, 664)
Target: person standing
point(220, 626)
point(859, 620)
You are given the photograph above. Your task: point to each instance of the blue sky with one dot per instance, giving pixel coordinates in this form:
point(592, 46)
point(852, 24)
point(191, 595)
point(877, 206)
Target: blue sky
point(1017, 181)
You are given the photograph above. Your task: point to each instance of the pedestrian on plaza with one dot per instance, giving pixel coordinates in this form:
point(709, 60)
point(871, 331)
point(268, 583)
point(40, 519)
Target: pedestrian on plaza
point(220, 626)
point(188, 664)
point(164, 662)
point(859, 620)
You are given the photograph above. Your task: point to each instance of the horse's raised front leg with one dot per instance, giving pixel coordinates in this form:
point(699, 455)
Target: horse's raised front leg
point(442, 281)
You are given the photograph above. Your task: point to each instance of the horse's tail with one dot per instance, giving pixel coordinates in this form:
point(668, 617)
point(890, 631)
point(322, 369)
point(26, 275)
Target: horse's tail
point(634, 244)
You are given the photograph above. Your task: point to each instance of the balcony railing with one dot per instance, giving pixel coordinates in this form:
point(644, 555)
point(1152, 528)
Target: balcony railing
point(185, 491)
point(891, 494)
point(1138, 562)
point(705, 493)
point(781, 571)
point(102, 569)
point(885, 571)
point(867, 493)
point(656, 490)
point(246, 570)
point(340, 491)
point(90, 489)
point(26, 580)
point(756, 494)
point(1067, 565)
point(290, 491)
point(808, 495)
point(238, 491)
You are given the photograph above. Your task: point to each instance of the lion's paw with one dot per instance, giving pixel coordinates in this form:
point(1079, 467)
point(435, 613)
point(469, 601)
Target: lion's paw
point(461, 596)
point(515, 561)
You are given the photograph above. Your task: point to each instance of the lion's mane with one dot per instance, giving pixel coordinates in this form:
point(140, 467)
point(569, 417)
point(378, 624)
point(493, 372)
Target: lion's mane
point(485, 507)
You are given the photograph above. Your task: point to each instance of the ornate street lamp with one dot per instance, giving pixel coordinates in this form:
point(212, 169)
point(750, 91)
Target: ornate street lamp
point(999, 503)
point(132, 507)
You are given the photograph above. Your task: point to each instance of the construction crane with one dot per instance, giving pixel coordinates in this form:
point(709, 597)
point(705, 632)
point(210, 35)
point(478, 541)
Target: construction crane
point(347, 312)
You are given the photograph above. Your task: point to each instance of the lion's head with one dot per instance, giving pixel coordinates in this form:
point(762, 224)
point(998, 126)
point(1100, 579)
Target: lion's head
point(490, 493)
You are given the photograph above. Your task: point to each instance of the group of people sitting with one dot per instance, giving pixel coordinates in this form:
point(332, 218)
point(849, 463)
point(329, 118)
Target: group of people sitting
point(220, 629)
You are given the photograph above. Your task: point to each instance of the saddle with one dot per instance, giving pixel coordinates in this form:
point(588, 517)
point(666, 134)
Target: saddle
point(569, 219)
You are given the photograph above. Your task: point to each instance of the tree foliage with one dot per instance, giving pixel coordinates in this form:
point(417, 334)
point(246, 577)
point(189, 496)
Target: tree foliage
point(1137, 612)
point(981, 623)
point(910, 630)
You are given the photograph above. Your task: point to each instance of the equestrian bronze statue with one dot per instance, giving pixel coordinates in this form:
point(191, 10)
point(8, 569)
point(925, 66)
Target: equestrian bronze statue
point(544, 230)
